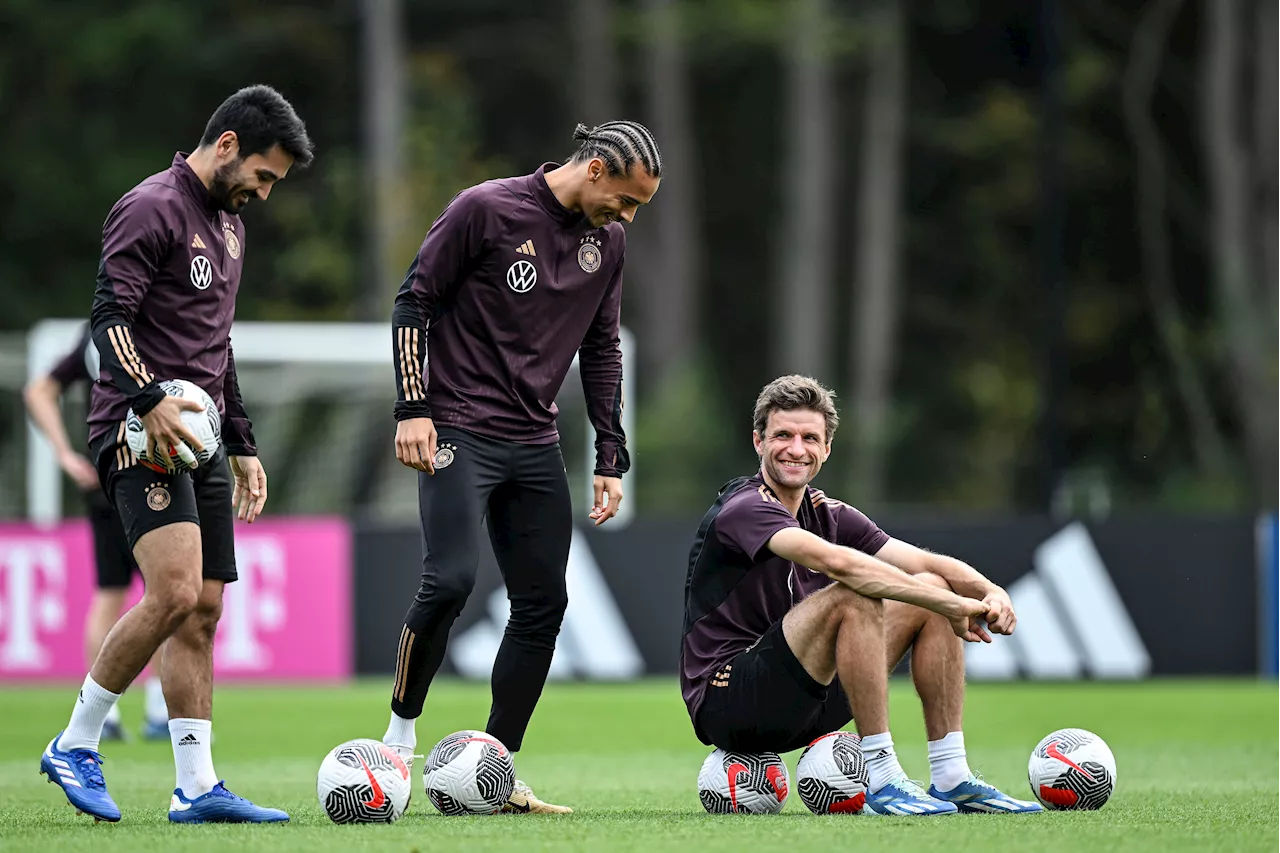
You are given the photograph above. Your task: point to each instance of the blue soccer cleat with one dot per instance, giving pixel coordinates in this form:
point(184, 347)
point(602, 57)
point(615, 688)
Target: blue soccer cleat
point(220, 806)
point(905, 797)
point(978, 797)
point(79, 773)
point(155, 730)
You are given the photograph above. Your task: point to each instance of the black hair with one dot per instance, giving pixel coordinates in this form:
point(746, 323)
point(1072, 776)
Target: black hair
point(260, 118)
point(618, 144)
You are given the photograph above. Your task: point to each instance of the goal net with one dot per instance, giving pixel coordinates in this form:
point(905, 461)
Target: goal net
point(320, 396)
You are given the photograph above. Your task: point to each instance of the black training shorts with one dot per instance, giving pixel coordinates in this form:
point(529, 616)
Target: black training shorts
point(112, 556)
point(770, 704)
point(147, 500)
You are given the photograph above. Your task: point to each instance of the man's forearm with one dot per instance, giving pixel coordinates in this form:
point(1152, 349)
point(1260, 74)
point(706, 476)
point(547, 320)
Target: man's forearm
point(41, 397)
point(963, 578)
point(874, 578)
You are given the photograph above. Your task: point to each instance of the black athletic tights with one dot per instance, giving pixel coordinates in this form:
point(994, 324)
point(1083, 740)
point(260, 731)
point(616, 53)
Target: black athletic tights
point(522, 493)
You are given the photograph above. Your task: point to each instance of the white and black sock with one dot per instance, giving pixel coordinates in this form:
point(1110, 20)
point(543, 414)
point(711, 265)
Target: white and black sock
point(882, 761)
point(193, 756)
point(92, 706)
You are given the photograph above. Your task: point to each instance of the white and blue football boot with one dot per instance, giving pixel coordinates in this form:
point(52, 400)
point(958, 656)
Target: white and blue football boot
point(79, 773)
point(220, 806)
point(975, 796)
point(905, 797)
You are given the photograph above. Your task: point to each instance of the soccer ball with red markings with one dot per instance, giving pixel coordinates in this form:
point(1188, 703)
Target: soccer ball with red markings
point(206, 426)
point(363, 781)
point(1072, 769)
point(469, 773)
point(832, 775)
point(743, 783)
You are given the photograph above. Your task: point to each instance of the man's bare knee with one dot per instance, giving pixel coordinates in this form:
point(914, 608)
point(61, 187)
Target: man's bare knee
point(208, 609)
point(850, 602)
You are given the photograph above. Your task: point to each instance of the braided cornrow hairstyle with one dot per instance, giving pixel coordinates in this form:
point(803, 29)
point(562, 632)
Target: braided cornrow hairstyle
point(619, 144)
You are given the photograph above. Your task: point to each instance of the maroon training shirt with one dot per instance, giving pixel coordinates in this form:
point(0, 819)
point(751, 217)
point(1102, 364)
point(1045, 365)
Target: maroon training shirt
point(737, 588)
point(166, 297)
point(511, 284)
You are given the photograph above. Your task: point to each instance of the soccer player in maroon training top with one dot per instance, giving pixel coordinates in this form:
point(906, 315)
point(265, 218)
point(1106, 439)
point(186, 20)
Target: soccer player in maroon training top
point(112, 557)
point(515, 277)
point(172, 250)
point(797, 606)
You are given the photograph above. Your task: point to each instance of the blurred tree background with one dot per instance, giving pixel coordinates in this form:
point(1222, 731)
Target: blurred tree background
point(1031, 244)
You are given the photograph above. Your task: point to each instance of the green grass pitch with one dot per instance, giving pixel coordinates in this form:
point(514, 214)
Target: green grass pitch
point(1197, 765)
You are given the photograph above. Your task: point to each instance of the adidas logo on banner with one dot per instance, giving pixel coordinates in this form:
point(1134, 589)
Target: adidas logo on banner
point(1071, 621)
point(594, 642)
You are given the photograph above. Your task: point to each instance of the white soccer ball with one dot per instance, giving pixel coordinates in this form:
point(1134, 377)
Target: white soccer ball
point(206, 426)
point(1072, 769)
point(469, 773)
point(743, 783)
point(363, 781)
point(832, 775)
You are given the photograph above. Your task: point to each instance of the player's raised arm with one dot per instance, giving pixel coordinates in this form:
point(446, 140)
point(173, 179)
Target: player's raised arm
point(875, 578)
point(135, 243)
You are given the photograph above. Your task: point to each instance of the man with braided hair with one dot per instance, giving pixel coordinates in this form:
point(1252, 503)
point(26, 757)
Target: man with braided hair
point(515, 277)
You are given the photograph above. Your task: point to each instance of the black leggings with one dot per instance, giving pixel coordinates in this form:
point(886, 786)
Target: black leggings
point(521, 493)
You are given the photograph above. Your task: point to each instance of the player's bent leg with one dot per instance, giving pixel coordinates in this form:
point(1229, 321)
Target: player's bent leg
point(170, 560)
point(839, 633)
point(104, 610)
point(937, 660)
point(937, 669)
point(451, 504)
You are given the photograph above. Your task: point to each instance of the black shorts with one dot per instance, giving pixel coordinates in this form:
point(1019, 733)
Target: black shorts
point(147, 500)
point(112, 556)
point(770, 704)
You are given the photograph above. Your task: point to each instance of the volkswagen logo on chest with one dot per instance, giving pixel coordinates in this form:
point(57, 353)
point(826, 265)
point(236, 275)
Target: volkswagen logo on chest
point(521, 277)
point(201, 272)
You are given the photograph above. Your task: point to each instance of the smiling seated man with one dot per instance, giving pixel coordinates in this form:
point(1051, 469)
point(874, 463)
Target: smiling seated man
point(797, 608)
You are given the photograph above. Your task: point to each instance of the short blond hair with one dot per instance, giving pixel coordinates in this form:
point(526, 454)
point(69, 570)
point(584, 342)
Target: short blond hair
point(788, 393)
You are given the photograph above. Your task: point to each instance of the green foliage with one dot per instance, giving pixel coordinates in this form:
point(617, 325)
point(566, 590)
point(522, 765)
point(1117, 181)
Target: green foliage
point(687, 443)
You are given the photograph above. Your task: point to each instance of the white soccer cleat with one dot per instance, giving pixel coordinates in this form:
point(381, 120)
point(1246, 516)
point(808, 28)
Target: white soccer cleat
point(524, 801)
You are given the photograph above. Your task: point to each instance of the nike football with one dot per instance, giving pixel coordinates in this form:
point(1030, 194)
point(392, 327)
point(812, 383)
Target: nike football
point(832, 775)
point(743, 783)
point(469, 773)
point(363, 781)
point(1072, 769)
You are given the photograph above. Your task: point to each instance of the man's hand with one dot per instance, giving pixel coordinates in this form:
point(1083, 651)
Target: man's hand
point(165, 429)
point(609, 488)
point(250, 492)
point(1000, 615)
point(79, 469)
point(966, 618)
point(416, 444)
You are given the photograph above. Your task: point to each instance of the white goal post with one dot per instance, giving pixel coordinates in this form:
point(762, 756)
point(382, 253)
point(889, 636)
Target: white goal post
point(273, 342)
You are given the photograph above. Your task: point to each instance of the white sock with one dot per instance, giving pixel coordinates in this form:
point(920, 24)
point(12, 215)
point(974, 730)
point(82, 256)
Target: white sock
point(947, 764)
point(192, 756)
point(157, 711)
point(402, 732)
point(882, 761)
point(113, 716)
point(92, 706)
